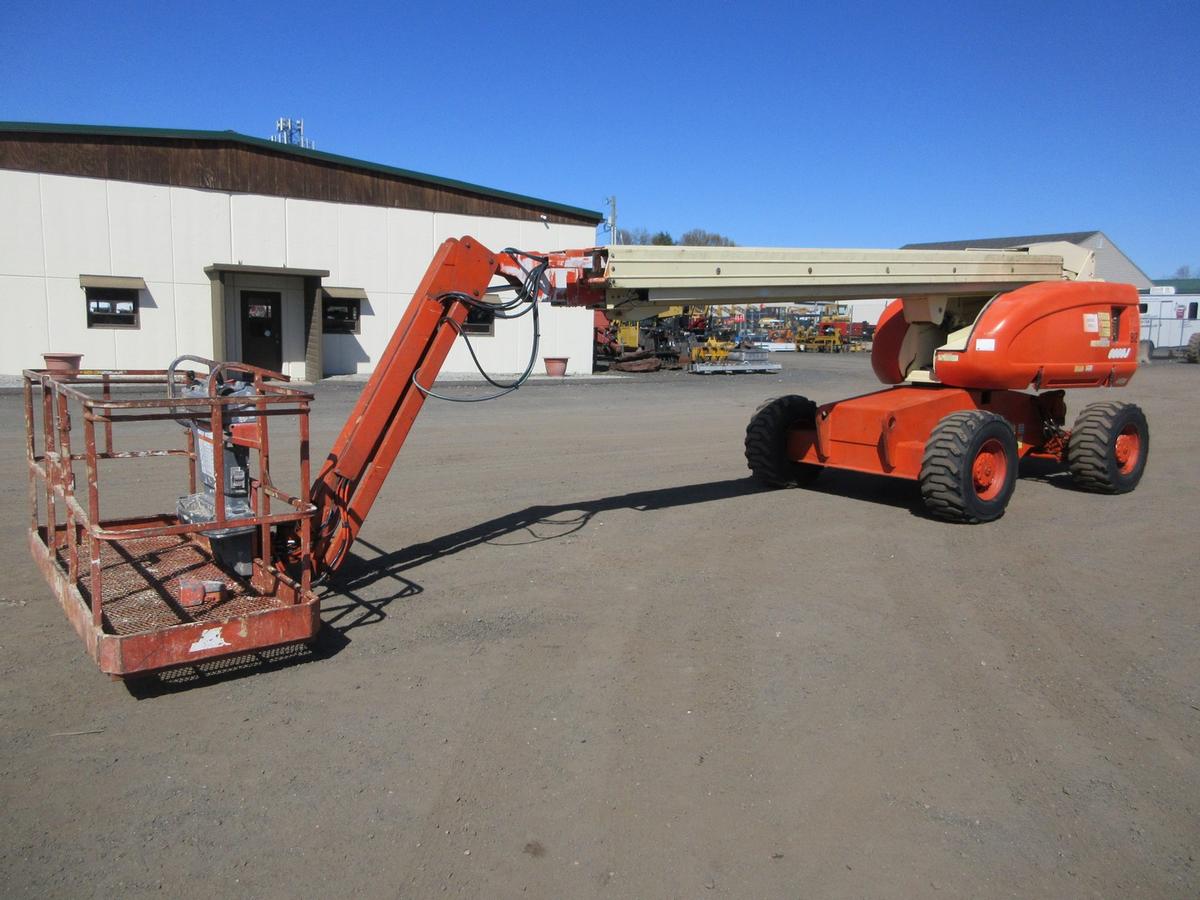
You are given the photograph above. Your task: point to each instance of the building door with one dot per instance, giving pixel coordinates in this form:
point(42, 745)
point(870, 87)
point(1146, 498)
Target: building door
point(262, 332)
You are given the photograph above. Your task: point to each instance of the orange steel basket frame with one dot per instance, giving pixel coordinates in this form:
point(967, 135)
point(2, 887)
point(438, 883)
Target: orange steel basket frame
point(118, 579)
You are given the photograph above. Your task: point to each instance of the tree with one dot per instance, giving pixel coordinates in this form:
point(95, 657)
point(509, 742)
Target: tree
point(633, 236)
point(698, 237)
point(1183, 272)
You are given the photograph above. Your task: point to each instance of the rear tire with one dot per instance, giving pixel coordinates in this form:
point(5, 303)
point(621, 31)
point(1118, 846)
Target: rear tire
point(1193, 348)
point(969, 469)
point(766, 442)
point(1108, 448)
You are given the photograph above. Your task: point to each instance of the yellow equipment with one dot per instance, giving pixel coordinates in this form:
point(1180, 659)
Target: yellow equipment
point(829, 335)
point(629, 333)
point(712, 351)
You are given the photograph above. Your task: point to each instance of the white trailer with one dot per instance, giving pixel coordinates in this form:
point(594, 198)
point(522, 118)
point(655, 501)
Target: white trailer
point(1170, 322)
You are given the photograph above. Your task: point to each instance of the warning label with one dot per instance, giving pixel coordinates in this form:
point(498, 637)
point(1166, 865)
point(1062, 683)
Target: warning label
point(204, 452)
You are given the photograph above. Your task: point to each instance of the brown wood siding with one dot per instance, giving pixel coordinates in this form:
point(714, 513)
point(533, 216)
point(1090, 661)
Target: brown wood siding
point(218, 166)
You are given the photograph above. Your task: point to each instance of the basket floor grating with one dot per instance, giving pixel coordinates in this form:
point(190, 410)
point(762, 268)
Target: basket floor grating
point(141, 578)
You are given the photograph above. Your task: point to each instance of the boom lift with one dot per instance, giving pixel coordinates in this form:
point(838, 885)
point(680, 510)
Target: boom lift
point(226, 574)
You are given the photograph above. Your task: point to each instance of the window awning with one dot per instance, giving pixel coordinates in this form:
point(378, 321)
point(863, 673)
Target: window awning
point(344, 293)
point(112, 281)
point(218, 269)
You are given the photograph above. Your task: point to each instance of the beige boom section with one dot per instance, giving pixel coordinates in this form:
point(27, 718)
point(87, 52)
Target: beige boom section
point(640, 280)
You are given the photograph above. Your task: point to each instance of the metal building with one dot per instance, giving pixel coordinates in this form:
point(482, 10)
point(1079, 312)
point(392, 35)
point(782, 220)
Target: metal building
point(133, 245)
point(1111, 263)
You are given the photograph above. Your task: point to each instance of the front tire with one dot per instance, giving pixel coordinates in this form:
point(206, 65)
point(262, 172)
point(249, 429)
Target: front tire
point(1193, 348)
point(1108, 448)
point(969, 469)
point(766, 442)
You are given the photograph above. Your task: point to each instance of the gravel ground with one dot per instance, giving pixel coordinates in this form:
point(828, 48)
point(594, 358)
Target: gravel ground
point(577, 653)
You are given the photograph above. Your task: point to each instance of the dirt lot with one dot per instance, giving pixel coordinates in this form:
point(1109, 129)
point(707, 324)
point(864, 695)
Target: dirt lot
point(580, 654)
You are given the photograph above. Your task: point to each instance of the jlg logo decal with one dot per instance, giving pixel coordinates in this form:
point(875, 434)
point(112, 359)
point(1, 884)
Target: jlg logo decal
point(1119, 353)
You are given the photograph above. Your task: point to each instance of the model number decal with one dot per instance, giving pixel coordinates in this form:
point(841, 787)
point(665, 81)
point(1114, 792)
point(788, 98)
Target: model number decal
point(1119, 353)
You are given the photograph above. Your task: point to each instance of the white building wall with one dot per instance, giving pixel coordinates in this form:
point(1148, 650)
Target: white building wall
point(867, 310)
point(54, 228)
point(21, 249)
point(259, 230)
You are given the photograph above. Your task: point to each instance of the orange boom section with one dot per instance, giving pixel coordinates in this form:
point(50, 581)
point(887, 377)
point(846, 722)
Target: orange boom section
point(1068, 334)
point(1055, 334)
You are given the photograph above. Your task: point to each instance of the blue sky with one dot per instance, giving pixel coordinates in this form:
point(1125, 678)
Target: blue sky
point(782, 124)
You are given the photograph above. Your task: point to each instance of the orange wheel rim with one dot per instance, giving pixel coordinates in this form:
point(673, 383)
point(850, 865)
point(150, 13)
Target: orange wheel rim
point(1128, 449)
point(990, 469)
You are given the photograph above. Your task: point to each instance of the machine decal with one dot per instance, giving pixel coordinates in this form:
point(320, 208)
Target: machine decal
point(1091, 322)
point(204, 452)
point(1119, 353)
point(209, 639)
point(985, 344)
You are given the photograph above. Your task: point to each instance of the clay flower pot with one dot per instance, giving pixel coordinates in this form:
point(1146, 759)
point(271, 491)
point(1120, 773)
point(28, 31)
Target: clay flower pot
point(555, 365)
point(62, 365)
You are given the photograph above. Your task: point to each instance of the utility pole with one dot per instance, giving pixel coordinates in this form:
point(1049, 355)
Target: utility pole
point(612, 217)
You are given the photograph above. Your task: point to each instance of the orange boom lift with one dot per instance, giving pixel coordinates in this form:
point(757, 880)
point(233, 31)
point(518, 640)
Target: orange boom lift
point(959, 418)
point(229, 572)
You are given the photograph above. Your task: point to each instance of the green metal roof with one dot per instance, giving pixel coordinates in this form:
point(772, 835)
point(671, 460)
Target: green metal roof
point(273, 146)
point(1181, 285)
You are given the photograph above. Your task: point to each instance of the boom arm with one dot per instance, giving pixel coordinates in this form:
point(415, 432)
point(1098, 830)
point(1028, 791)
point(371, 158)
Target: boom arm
point(349, 481)
point(640, 281)
point(632, 282)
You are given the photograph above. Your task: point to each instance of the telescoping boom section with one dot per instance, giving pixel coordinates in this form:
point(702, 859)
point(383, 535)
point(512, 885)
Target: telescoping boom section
point(228, 572)
point(634, 282)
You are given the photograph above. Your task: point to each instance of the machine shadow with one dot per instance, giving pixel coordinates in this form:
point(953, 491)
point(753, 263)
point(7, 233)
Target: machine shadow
point(536, 524)
point(532, 525)
point(345, 605)
point(898, 493)
point(1047, 471)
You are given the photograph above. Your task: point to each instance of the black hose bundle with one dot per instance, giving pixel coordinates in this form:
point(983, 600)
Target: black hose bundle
point(525, 303)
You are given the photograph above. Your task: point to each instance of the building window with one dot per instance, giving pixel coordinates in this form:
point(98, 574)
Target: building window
point(1192, 309)
point(480, 322)
point(109, 307)
point(1143, 307)
point(339, 315)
